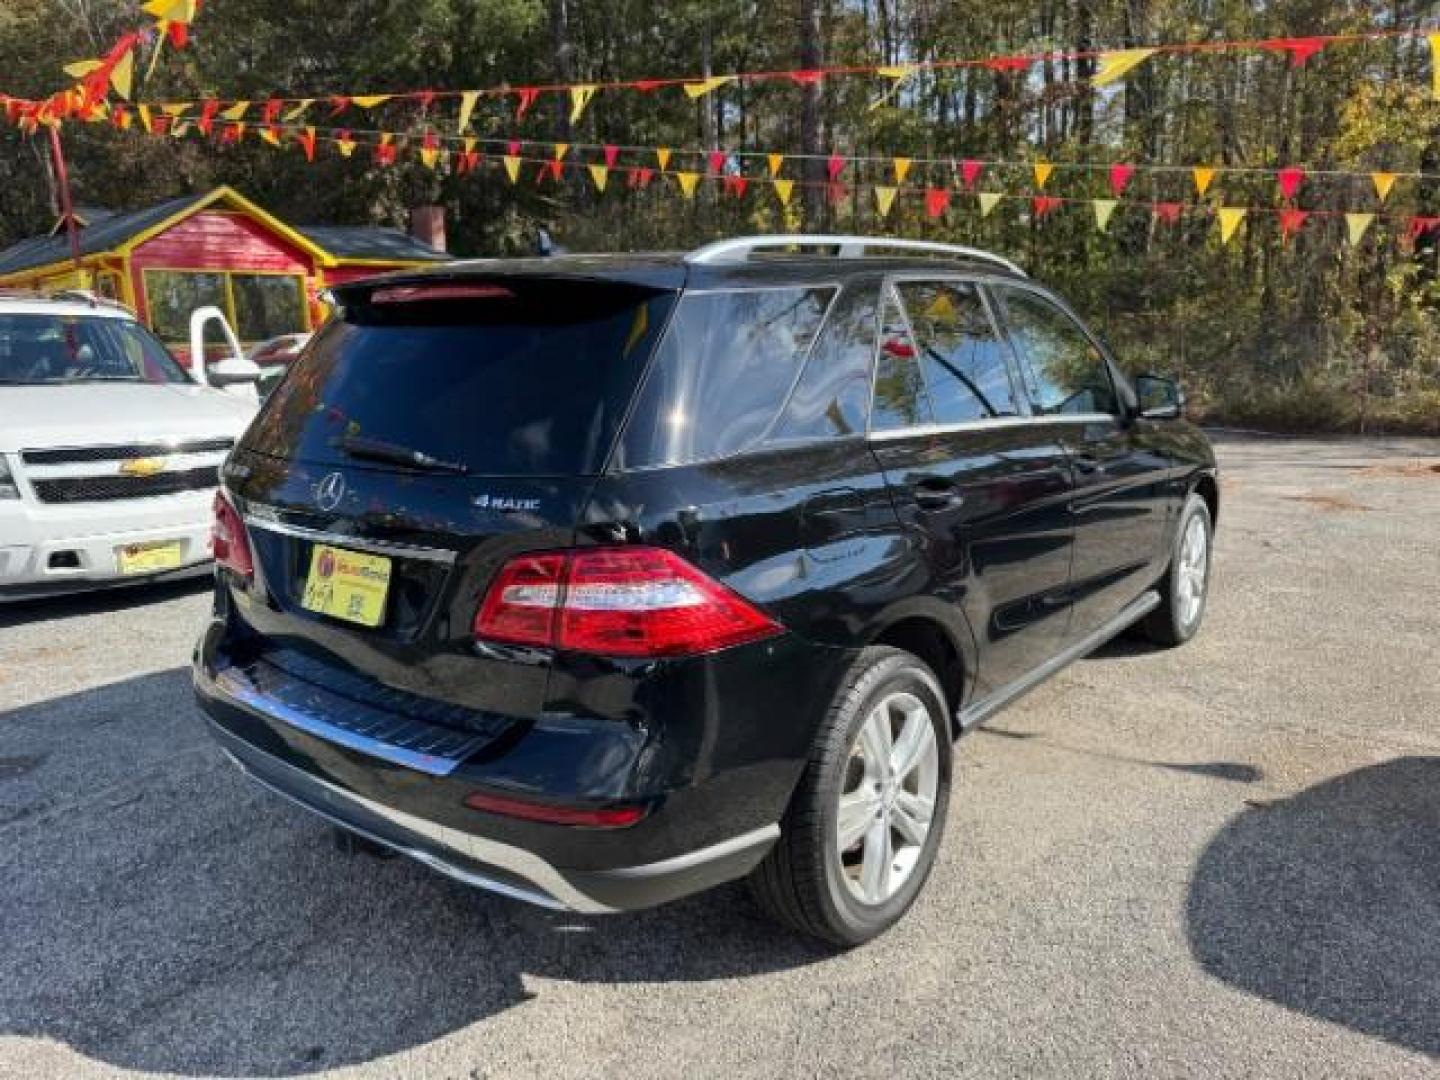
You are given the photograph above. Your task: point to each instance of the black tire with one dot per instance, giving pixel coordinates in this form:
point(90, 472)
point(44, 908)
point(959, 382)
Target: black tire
point(1166, 625)
point(800, 883)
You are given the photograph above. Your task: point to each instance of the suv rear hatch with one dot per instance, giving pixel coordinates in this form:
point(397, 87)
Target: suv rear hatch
point(434, 429)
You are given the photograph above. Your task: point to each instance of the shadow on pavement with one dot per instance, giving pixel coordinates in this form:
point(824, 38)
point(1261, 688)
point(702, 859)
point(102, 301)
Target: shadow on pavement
point(1329, 902)
point(100, 601)
point(161, 913)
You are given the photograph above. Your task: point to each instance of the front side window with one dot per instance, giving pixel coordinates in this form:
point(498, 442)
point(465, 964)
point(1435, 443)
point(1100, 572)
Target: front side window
point(1063, 370)
point(961, 357)
point(38, 350)
point(723, 372)
point(900, 397)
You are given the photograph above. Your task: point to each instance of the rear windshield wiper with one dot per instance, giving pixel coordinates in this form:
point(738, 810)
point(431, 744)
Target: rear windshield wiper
point(379, 450)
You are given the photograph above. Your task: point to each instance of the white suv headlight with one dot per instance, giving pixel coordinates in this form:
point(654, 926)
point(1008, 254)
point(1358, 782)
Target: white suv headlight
point(8, 488)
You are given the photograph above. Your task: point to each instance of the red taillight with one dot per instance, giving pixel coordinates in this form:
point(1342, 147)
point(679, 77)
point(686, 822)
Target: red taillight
point(228, 539)
point(630, 602)
point(611, 817)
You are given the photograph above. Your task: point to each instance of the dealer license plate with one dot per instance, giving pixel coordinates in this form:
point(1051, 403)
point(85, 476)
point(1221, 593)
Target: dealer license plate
point(149, 558)
point(347, 585)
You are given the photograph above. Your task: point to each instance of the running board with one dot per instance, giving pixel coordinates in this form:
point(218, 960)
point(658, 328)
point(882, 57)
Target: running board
point(1133, 612)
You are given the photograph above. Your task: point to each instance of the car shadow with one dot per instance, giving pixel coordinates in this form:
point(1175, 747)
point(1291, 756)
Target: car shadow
point(162, 913)
point(1328, 902)
point(100, 601)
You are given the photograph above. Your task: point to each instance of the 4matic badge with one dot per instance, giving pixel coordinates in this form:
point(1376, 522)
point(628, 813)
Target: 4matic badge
point(504, 504)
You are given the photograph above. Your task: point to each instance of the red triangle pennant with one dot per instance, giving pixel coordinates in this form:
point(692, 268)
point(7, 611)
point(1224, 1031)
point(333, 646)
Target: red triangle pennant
point(206, 123)
point(1419, 226)
point(836, 192)
point(970, 172)
point(1168, 212)
point(1120, 178)
point(306, 139)
point(425, 98)
point(640, 176)
point(937, 201)
point(338, 104)
point(736, 185)
point(1300, 49)
point(513, 148)
point(807, 78)
point(272, 110)
point(1044, 205)
point(527, 96)
point(1291, 220)
point(646, 85)
point(611, 153)
point(834, 167)
point(717, 161)
point(1290, 180)
point(178, 33)
point(1008, 63)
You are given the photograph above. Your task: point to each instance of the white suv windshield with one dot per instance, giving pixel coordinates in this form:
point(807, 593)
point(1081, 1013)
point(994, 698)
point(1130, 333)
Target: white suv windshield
point(42, 350)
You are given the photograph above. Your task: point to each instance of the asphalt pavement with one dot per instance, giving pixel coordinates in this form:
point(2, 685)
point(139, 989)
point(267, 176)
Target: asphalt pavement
point(1222, 860)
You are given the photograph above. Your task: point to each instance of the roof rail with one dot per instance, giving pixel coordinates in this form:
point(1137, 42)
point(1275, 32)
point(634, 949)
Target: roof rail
point(741, 248)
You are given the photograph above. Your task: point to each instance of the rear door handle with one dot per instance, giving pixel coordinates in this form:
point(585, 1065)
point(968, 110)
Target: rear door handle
point(936, 493)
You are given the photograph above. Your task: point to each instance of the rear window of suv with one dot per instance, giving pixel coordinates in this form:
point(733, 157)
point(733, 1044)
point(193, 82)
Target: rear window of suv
point(514, 377)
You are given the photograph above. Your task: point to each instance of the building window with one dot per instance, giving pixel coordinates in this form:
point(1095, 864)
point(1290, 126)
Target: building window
point(257, 306)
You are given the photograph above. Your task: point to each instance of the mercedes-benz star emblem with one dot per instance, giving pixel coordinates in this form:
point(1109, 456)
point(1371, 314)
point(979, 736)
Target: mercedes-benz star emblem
point(330, 491)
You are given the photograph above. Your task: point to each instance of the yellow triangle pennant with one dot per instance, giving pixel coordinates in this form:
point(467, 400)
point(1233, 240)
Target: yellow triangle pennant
point(579, 98)
point(301, 107)
point(699, 89)
point(561, 149)
point(81, 68)
point(1383, 182)
point(884, 200)
point(1043, 169)
point(270, 135)
point(1435, 65)
point(775, 162)
point(662, 158)
point(236, 112)
point(783, 190)
point(429, 156)
point(467, 107)
point(145, 121)
point(370, 101)
point(1230, 218)
point(1357, 225)
point(1115, 65)
point(902, 169)
point(1203, 175)
point(687, 181)
point(512, 168)
point(470, 145)
point(122, 75)
point(1103, 209)
point(345, 145)
point(179, 130)
point(897, 74)
point(175, 111)
point(988, 201)
point(600, 174)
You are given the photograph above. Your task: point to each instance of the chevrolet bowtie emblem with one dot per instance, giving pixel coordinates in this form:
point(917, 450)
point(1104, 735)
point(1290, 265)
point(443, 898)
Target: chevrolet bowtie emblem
point(143, 466)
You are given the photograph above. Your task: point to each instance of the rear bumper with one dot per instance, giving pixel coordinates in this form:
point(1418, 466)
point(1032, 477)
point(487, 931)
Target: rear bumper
point(498, 867)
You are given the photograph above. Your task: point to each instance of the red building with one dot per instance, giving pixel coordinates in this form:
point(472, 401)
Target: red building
point(220, 249)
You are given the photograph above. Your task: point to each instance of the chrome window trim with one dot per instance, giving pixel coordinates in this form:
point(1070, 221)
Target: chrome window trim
point(258, 517)
point(924, 430)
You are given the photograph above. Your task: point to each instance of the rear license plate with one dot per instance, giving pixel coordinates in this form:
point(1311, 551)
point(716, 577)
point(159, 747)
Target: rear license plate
point(148, 558)
point(347, 585)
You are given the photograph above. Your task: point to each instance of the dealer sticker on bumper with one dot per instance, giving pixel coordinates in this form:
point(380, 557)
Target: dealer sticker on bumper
point(149, 558)
point(347, 585)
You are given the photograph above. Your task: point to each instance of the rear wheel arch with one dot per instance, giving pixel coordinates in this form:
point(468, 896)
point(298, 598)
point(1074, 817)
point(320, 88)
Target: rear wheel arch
point(937, 644)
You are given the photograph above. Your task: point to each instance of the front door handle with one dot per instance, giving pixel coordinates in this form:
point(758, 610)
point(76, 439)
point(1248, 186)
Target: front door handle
point(936, 493)
point(1087, 464)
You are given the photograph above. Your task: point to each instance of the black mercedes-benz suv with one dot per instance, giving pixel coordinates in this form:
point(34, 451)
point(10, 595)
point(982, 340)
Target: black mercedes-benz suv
point(596, 581)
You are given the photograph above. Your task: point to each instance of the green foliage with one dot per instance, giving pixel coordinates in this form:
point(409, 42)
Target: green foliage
point(1309, 333)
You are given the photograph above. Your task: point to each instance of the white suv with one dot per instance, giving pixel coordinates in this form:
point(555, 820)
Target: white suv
point(109, 450)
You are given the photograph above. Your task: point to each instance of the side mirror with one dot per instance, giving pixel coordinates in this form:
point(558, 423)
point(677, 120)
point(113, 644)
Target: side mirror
point(233, 374)
point(1160, 398)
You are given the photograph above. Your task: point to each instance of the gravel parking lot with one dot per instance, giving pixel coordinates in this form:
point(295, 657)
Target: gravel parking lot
point(1218, 861)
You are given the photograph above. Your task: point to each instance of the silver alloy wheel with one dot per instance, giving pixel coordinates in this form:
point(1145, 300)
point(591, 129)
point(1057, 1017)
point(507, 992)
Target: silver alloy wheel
point(887, 800)
point(1191, 569)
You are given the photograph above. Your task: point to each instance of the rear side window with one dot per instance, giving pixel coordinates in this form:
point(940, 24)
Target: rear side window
point(722, 374)
point(961, 356)
point(833, 393)
point(900, 397)
point(1063, 370)
point(516, 377)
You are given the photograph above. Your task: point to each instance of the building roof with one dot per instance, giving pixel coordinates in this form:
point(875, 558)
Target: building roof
point(106, 231)
point(373, 244)
point(103, 235)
